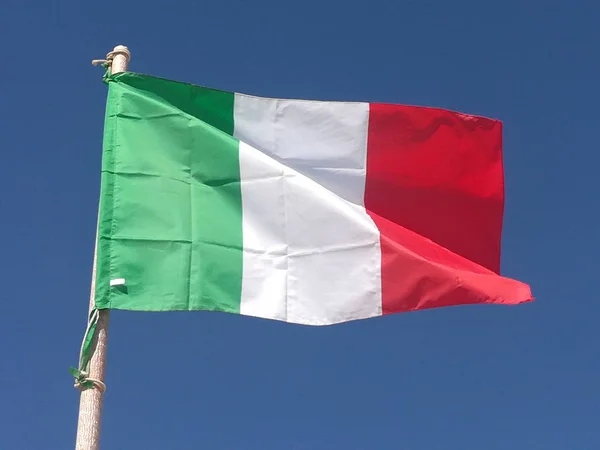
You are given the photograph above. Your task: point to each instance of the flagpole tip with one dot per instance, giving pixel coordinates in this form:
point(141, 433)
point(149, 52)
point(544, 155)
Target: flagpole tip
point(117, 60)
point(123, 50)
point(120, 59)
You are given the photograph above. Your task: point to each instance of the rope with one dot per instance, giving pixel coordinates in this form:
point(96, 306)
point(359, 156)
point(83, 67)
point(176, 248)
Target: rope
point(106, 63)
point(81, 374)
point(85, 382)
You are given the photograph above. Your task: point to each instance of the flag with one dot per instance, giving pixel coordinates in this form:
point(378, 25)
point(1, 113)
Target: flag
point(309, 212)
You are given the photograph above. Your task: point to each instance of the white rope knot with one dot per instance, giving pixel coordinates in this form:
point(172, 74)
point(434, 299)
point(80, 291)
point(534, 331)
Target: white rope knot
point(83, 382)
point(110, 56)
point(105, 62)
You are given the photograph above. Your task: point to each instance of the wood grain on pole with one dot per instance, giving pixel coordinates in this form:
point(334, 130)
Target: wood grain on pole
point(90, 404)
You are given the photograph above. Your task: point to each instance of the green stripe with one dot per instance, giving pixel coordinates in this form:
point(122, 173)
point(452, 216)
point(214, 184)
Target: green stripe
point(171, 205)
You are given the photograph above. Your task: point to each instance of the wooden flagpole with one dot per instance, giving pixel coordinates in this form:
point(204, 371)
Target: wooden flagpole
point(90, 404)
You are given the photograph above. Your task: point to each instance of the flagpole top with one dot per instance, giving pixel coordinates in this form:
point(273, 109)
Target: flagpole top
point(122, 50)
point(116, 60)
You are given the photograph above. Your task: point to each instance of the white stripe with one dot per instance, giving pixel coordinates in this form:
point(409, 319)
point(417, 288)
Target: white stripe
point(311, 251)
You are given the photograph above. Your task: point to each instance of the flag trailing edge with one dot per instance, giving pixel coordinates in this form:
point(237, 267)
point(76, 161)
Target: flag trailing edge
point(308, 212)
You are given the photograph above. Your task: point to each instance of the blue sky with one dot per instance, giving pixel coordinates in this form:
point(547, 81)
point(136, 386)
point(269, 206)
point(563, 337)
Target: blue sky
point(470, 377)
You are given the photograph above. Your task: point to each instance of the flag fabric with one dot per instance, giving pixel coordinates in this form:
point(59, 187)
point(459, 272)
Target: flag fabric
point(310, 212)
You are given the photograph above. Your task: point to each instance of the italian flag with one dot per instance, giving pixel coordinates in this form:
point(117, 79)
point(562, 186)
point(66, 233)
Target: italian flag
point(309, 212)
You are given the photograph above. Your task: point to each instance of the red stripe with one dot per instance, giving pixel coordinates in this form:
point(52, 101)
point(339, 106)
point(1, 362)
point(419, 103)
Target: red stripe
point(435, 189)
